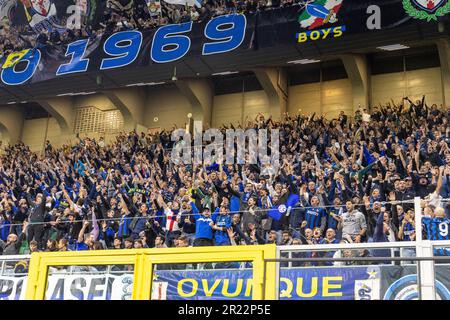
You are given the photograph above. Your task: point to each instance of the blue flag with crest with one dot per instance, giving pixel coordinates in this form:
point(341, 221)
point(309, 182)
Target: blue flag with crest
point(278, 211)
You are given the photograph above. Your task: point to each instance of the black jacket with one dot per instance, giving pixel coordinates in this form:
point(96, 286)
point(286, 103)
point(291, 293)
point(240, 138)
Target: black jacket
point(13, 247)
point(37, 212)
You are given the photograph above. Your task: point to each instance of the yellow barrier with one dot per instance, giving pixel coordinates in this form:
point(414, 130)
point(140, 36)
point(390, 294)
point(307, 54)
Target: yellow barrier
point(144, 260)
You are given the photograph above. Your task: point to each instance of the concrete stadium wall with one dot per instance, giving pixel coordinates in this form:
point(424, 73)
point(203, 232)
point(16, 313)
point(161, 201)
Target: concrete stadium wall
point(97, 100)
point(327, 98)
point(331, 97)
point(413, 84)
point(11, 124)
point(34, 130)
point(33, 133)
point(235, 108)
point(171, 107)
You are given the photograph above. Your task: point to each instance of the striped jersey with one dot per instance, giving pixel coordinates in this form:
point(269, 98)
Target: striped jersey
point(313, 217)
point(437, 229)
point(408, 230)
point(124, 226)
point(332, 222)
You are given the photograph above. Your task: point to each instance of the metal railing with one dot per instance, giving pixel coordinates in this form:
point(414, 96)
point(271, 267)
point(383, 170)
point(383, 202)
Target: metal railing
point(420, 284)
point(7, 264)
point(75, 270)
point(424, 250)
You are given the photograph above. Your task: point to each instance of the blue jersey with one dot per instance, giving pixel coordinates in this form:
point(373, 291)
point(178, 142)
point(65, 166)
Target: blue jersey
point(332, 222)
point(203, 229)
point(221, 238)
point(437, 229)
point(81, 246)
point(124, 226)
point(235, 203)
point(408, 229)
point(5, 227)
point(313, 217)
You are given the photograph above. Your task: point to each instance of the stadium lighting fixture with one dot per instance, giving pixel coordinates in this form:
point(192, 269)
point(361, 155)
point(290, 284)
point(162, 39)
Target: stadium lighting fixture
point(174, 77)
point(225, 73)
point(84, 93)
point(303, 61)
point(76, 94)
point(141, 84)
point(99, 80)
point(393, 47)
point(11, 102)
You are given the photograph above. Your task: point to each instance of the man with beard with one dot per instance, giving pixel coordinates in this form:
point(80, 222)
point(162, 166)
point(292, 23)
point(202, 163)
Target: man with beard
point(353, 224)
point(403, 194)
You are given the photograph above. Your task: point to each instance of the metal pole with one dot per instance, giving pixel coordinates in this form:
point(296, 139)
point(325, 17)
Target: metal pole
point(277, 275)
point(320, 89)
point(362, 259)
point(419, 241)
point(427, 273)
point(243, 104)
point(424, 249)
point(419, 281)
point(264, 281)
point(46, 133)
point(405, 77)
point(418, 220)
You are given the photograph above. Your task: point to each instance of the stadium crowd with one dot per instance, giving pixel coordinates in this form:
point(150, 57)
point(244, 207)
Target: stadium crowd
point(355, 178)
point(132, 15)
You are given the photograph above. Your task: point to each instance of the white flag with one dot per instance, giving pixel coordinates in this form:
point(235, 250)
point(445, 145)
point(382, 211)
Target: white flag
point(154, 7)
point(5, 7)
point(191, 3)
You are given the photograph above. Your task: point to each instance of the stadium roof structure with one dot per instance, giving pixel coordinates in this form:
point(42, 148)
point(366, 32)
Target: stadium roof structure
point(416, 33)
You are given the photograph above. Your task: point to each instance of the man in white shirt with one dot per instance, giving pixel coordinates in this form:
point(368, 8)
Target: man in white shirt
point(353, 223)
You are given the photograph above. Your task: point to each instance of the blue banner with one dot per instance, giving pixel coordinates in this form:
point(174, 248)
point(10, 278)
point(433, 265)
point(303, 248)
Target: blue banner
point(205, 285)
point(319, 283)
point(301, 26)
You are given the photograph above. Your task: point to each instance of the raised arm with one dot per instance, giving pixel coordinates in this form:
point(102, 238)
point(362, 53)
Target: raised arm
point(123, 204)
point(96, 230)
point(68, 199)
point(439, 182)
point(417, 157)
point(82, 232)
point(161, 202)
point(399, 153)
